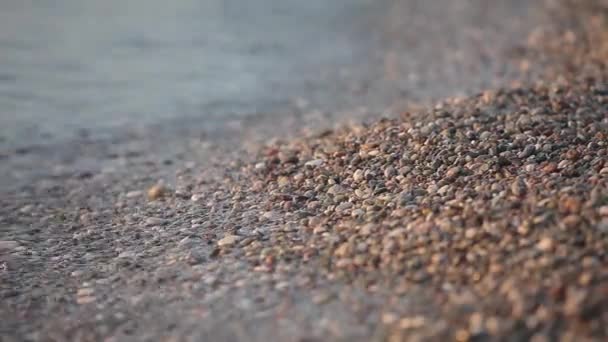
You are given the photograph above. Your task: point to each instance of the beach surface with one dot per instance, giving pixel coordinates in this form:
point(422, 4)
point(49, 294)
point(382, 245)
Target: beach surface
point(375, 171)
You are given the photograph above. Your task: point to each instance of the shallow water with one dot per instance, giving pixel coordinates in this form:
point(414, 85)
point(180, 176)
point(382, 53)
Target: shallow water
point(68, 65)
point(74, 66)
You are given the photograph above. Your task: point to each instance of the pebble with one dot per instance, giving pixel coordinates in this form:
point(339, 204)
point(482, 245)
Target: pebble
point(126, 255)
point(156, 192)
point(283, 285)
point(527, 151)
point(336, 190)
point(134, 194)
point(315, 163)
point(443, 190)
point(518, 187)
point(27, 209)
point(228, 240)
point(283, 181)
point(412, 322)
point(357, 213)
point(358, 176)
point(197, 197)
point(545, 244)
point(322, 297)
point(8, 245)
point(389, 318)
point(85, 296)
point(550, 168)
point(269, 215)
point(260, 166)
point(187, 242)
point(87, 291)
point(453, 172)
point(154, 221)
point(343, 206)
point(195, 257)
point(85, 300)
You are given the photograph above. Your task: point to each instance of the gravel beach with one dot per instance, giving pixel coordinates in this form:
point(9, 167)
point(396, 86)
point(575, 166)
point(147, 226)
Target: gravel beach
point(481, 215)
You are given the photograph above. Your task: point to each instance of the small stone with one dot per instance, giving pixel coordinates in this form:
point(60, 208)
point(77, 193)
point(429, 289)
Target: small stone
point(8, 245)
point(87, 291)
point(443, 190)
point(488, 96)
point(269, 215)
point(585, 278)
point(361, 194)
point(570, 205)
point(549, 168)
point(485, 135)
point(528, 151)
point(319, 230)
point(539, 337)
point(315, 162)
point(288, 157)
point(462, 335)
point(344, 263)
point(572, 221)
point(336, 190)
point(26, 209)
point(492, 325)
point(195, 257)
point(187, 242)
point(563, 164)
point(343, 250)
point(85, 295)
point(260, 166)
point(322, 297)
point(453, 173)
point(476, 324)
point(412, 322)
point(357, 213)
point(126, 255)
point(197, 197)
point(545, 244)
point(228, 240)
point(574, 301)
point(280, 286)
point(572, 154)
point(389, 172)
point(85, 300)
point(343, 206)
point(524, 228)
point(470, 233)
point(154, 221)
point(518, 187)
point(366, 230)
point(358, 176)
point(389, 318)
point(156, 191)
point(133, 194)
point(283, 181)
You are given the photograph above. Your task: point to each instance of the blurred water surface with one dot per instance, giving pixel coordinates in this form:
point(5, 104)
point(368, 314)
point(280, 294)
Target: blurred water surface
point(67, 65)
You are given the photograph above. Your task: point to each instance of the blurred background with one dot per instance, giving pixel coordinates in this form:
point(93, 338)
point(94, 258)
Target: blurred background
point(87, 67)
